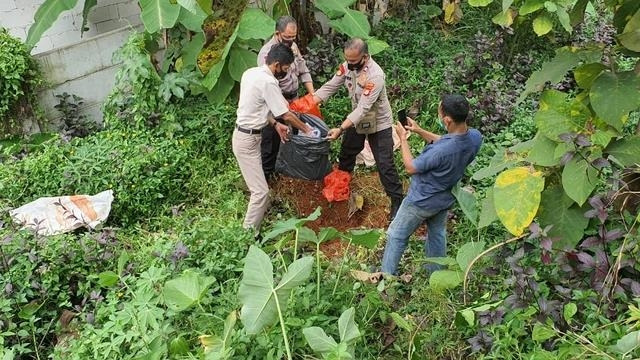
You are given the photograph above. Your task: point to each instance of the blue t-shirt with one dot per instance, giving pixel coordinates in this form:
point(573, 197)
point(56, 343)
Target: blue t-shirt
point(439, 168)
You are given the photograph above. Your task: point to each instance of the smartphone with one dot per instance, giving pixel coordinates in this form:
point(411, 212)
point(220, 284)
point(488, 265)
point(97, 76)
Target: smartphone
point(402, 117)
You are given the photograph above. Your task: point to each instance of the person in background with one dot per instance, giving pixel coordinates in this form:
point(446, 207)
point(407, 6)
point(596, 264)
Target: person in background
point(259, 96)
point(433, 174)
point(286, 33)
point(370, 118)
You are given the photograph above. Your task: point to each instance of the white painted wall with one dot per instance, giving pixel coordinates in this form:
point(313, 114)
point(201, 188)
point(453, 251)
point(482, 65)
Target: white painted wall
point(107, 15)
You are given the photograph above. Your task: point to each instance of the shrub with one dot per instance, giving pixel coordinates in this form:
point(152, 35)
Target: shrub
point(144, 171)
point(19, 78)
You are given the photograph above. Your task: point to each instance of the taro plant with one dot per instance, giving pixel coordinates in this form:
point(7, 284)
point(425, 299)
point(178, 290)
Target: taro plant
point(455, 269)
point(263, 302)
point(218, 347)
point(325, 234)
point(352, 23)
point(294, 224)
point(326, 346)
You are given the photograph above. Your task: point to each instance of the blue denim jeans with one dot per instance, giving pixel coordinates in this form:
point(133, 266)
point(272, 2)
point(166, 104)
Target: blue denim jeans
point(406, 222)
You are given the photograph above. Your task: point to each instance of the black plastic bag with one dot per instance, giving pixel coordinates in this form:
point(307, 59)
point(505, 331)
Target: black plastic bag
point(305, 157)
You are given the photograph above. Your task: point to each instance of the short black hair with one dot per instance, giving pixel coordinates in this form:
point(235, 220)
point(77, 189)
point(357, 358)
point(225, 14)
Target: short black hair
point(284, 21)
point(280, 53)
point(357, 44)
point(456, 107)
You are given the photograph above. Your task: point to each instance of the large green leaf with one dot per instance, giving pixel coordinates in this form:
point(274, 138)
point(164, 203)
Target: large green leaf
point(542, 151)
point(257, 292)
point(223, 87)
point(627, 343)
point(531, 6)
point(255, 24)
point(468, 252)
point(626, 150)
point(554, 70)
point(565, 20)
point(624, 13)
point(445, 279)
point(353, 24)
point(206, 5)
point(579, 179)
point(542, 24)
point(282, 227)
point(191, 5)
point(500, 161)
point(192, 21)
point(630, 38)
point(587, 73)
point(159, 14)
point(319, 341)
point(516, 196)
point(326, 234)
point(45, 16)
point(86, 8)
point(214, 73)
point(613, 96)
point(488, 213)
point(557, 114)
point(376, 46)
point(467, 202)
point(368, 238)
point(568, 221)
point(186, 290)
point(577, 12)
point(333, 8)
point(480, 3)
point(347, 326)
point(191, 50)
point(240, 60)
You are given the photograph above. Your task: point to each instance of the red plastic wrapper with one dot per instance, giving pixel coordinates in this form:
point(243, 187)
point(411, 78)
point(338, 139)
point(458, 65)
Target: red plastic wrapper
point(305, 105)
point(336, 186)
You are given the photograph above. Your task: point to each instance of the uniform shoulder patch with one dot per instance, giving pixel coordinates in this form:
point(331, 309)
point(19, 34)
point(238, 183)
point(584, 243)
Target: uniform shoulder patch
point(368, 87)
point(341, 70)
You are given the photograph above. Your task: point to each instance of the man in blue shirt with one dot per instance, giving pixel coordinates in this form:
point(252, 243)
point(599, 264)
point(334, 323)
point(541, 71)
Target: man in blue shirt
point(433, 174)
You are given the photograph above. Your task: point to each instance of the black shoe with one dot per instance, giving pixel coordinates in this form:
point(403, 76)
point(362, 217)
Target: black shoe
point(395, 205)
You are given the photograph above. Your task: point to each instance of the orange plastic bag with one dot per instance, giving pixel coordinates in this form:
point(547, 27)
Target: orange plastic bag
point(306, 105)
point(336, 186)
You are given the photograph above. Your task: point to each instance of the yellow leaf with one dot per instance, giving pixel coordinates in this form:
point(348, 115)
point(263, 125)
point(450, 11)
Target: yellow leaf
point(516, 196)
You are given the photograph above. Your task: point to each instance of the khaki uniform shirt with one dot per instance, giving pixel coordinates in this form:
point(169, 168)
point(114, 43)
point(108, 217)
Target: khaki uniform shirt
point(366, 88)
point(298, 68)
point(259, 96)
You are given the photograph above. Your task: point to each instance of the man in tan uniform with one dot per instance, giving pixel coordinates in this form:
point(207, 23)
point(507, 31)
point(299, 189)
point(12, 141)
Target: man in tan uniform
point(370, 117)
point(259, 96)
point(286, 33)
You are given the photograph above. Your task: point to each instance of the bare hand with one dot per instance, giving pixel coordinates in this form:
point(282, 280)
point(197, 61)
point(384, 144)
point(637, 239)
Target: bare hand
point(402, 132)
point(333, 134)
point(283, 131)
point(412, 125)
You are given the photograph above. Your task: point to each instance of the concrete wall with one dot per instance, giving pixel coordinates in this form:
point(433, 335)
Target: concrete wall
point(107, 15)
point(80, 65)
point(85, 69)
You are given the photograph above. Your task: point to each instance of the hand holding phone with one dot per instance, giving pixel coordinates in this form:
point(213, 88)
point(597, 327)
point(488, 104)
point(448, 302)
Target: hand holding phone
point(402, 117)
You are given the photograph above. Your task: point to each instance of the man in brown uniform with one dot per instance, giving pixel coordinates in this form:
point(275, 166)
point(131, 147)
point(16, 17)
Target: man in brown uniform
point(370, 117)
point(286, 32)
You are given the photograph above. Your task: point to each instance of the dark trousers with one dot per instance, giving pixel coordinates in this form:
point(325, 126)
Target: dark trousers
point(269, 150)
point(382, 148)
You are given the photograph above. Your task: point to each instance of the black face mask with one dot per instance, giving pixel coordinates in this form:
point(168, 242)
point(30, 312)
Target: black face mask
point(279, 74)
point(356, 67)
point(289, 43)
